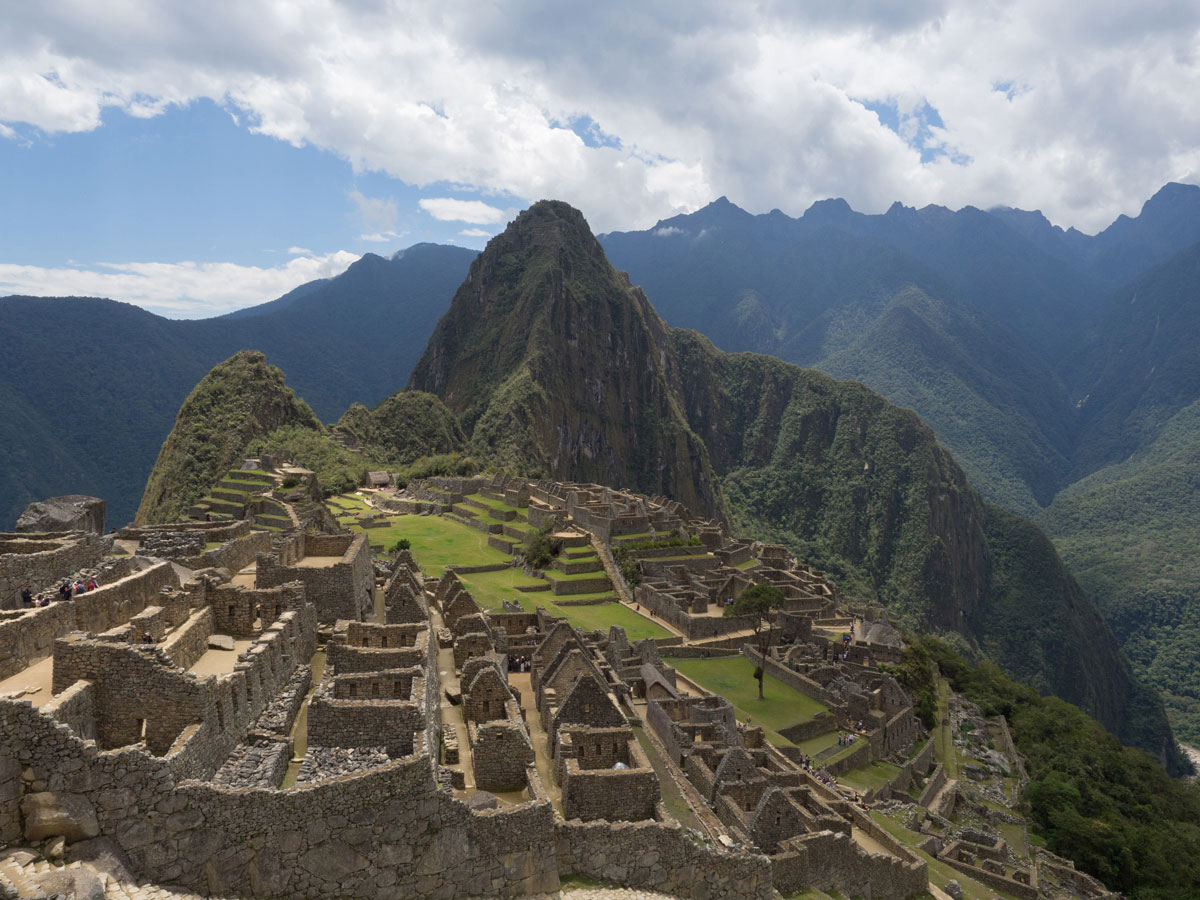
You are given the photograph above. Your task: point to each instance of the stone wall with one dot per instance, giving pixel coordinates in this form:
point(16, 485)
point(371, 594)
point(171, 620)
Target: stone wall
point(189, 641)
point(343, 590)
point(39, 560)
point(834, 862)
point(654, 856)
point(500, 752)
point(234, 554)
point(387, 833)
point(76, 708)
point(26, 638)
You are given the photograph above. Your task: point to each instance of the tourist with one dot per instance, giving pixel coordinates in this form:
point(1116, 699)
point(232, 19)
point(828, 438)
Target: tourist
point(26, 596)
point(94, 584)
point(64, 590)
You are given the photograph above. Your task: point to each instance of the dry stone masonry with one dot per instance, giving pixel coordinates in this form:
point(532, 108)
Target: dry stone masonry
point(435, 746)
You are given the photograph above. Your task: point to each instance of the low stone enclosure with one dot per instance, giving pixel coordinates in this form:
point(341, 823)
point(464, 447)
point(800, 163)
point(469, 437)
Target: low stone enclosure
point(41, 559)
point(335, 569)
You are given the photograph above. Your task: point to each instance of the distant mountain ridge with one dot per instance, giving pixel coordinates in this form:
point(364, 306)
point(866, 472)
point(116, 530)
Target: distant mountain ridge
point(88, 387)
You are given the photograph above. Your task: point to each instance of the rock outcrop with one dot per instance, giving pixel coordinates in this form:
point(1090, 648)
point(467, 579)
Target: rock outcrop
point(72, 512)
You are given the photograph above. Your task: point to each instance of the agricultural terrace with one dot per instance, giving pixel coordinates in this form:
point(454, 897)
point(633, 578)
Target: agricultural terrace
point(440, 541)
point(781, 707)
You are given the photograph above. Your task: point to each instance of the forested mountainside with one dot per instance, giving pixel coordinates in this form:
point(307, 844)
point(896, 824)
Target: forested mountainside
point(1069, 401)
point(558, 366)
point(89, 387)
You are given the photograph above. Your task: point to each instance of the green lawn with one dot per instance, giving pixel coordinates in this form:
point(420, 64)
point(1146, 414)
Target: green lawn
point(870, 777)
point(497, 504)
point(598, 572)
point(733, 678)
point(490, 588)
point(437, 543)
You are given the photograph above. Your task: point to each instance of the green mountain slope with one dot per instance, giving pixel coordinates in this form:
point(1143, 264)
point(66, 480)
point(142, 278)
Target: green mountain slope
point(559, 367)
point(1129, 532)
point(1003, 414)
point(402, 428)
point(951, 313)
point(241, 399)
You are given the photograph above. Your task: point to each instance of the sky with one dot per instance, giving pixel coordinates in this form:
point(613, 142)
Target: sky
point(194, 158)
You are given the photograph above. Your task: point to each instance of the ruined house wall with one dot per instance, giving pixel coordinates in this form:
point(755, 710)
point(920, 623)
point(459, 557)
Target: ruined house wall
point(236, 553)
point(656, 857)
point(343, 590)
point(612, 794)
point(29, 637)
point(363, 723)
point(387, 833)
point(500, 753)
point(42, 568)
point(76, 708)
point(189, 641)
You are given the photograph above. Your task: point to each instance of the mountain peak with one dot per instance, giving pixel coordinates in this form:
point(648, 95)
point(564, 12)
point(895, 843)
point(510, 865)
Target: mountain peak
point(1171, 199)
point(831, 210)
point(558, 365)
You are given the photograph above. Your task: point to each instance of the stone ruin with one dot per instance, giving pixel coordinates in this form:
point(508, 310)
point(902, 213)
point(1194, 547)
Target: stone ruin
point(444, 748)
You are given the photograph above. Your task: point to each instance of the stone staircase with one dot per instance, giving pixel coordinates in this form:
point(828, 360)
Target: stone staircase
point(26, 876)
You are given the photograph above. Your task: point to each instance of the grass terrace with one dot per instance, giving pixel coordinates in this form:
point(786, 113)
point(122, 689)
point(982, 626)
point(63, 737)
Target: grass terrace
point(733, 678)
point(869, 778)
point(490, 588)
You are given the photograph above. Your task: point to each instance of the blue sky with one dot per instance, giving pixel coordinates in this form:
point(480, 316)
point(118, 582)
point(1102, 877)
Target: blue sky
point(192, 183)
point(195, 159)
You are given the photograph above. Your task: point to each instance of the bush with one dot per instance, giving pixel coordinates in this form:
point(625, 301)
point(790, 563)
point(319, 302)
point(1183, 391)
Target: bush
point(538, 548)
point(402, 544)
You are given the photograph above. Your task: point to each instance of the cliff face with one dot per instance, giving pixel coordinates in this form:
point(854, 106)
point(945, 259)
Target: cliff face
point(241, 399)
point(557, 365)
point(835, 470)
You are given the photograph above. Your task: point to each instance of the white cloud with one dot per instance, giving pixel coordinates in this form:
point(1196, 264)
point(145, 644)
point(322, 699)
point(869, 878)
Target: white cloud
point(179, 289)
point(475, 232)
point(667, 231)
point(377, 215)
point(447, 209)
point(696, 98)
point(299, 251)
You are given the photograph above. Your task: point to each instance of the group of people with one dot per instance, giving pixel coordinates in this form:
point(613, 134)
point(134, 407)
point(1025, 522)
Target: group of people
point(520, 664)
point(66, 591)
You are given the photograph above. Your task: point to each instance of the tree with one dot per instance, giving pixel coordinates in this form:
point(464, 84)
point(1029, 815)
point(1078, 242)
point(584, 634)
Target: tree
point(761, 601)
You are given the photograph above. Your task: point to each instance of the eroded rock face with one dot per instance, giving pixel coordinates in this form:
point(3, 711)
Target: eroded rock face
point(73, 512)
point(52, 814)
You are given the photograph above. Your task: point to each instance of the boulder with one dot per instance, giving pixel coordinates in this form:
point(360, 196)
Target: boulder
point(954, 889)
point(220, 642)
point(104, 855)
point(50, 814)
point(82, 884)
point(73, 512)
